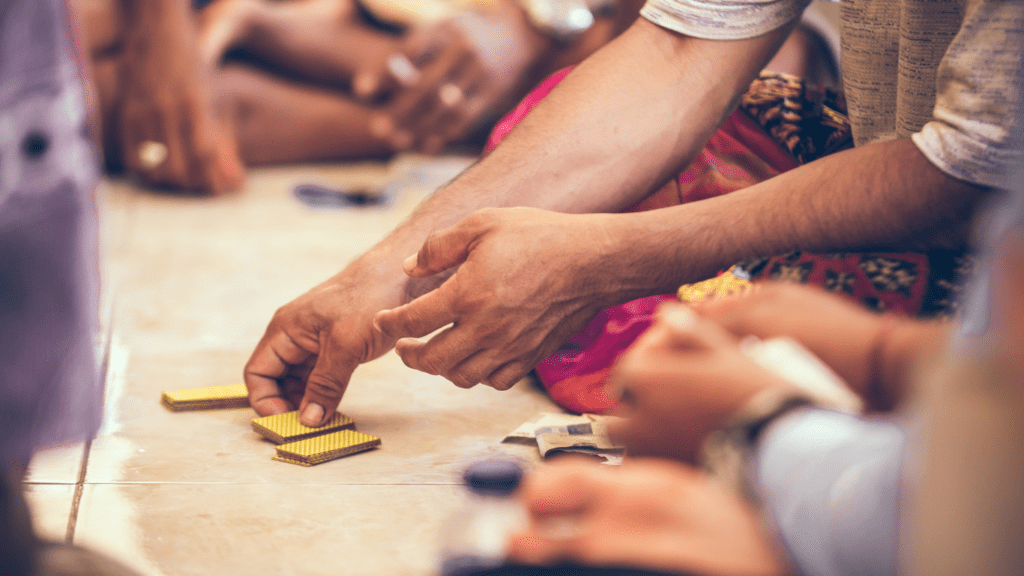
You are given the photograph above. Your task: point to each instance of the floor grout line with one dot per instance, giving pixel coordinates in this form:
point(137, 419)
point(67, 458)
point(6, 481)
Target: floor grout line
point(104, 369)
point(69, 535)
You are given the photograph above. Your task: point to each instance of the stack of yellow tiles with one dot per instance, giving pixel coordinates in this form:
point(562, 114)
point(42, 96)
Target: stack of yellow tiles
point(297, 444)
point(233, 396)
point(319, 449)
point(305, 446)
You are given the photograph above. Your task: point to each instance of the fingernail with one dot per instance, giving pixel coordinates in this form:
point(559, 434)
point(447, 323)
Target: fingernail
point(409, 264)
point(312, 415)
point(402, 69)
point(376, 324)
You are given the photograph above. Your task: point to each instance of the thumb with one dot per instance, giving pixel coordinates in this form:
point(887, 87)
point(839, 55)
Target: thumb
point(684, 328)
point(442, 250)
point(325, 386)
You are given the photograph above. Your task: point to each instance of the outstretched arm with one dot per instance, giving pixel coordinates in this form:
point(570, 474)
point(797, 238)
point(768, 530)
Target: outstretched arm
point(573, 154)
point(879, 195)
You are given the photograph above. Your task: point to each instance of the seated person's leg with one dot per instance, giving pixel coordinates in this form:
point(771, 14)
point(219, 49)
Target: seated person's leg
point(278, 121)
point(320, 41)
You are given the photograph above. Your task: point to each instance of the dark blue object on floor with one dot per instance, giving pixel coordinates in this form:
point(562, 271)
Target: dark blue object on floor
point(316, 196)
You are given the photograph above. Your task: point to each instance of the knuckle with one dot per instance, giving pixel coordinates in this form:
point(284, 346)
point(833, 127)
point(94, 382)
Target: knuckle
point(429, 249)
point(432, 364)
point(282, 316)
point(485, 216)
point(462, 379)
point(505, 380)
point(485, 332)
point(321, 387)
point(409, 321)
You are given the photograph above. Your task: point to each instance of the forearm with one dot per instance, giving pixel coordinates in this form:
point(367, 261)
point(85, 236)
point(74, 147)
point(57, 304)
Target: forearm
point(880, 196)
point(572, 154)
point(621, 124)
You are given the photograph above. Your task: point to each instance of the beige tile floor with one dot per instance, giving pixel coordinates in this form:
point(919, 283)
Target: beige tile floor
point(189, 285)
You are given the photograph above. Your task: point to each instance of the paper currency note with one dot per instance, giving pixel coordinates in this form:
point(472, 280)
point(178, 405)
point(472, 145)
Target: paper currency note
point(554, 432)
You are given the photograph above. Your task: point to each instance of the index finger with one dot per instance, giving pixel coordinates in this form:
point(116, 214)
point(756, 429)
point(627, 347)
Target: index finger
point(267, 367)
point(420, 317)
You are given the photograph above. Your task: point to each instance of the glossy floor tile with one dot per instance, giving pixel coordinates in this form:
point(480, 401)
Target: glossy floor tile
point(189, 286)
point(272, 530)
point(51, 507)
point(58, 465)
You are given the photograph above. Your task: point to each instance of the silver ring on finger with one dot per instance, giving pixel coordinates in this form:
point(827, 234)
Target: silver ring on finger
point(402, 69)
point(450, 95)
point(151, 154)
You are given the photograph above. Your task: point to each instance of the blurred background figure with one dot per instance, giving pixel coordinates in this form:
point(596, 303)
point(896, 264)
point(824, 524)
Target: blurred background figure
point(191, 94)
point(50, 387)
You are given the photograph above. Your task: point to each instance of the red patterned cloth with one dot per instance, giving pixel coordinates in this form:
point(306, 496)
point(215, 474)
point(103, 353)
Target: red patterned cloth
point(778, 122)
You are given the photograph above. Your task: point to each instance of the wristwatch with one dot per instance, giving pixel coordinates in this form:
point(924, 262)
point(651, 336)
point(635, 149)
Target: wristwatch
point(564, 21)
point(726, 452)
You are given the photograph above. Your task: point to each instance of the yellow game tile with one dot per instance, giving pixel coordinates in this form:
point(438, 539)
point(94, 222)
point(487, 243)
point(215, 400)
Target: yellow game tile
point(320, 449)
point(208, 398)
point(286, 427)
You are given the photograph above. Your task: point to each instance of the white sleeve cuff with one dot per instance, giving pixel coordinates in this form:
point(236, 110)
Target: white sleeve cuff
point(974, 152)
point(722, 19)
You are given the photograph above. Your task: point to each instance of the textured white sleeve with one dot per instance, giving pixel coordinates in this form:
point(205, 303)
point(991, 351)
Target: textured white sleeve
point(978, 91)
point(831, 484)
point(723, 19)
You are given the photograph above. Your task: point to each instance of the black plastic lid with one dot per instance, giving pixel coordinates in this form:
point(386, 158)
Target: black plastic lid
point(497, 477)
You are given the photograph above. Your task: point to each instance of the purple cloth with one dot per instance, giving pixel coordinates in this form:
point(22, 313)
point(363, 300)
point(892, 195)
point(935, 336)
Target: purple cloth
point(50, 389)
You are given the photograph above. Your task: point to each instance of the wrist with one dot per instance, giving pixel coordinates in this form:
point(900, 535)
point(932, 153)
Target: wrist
point(660, 250)
point(621, 259)
point(727, 451)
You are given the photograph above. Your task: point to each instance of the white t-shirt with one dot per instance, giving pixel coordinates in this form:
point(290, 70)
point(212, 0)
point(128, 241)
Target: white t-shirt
point(944, 73)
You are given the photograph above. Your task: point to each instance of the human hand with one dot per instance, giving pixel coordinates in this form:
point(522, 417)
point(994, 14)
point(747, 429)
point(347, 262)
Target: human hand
point(650, 514)
point(527, 280)
point(680, 381)
point(169, 134)
point(839, 332)
point(223, 24)
point(449, 75)
point(314, 343)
